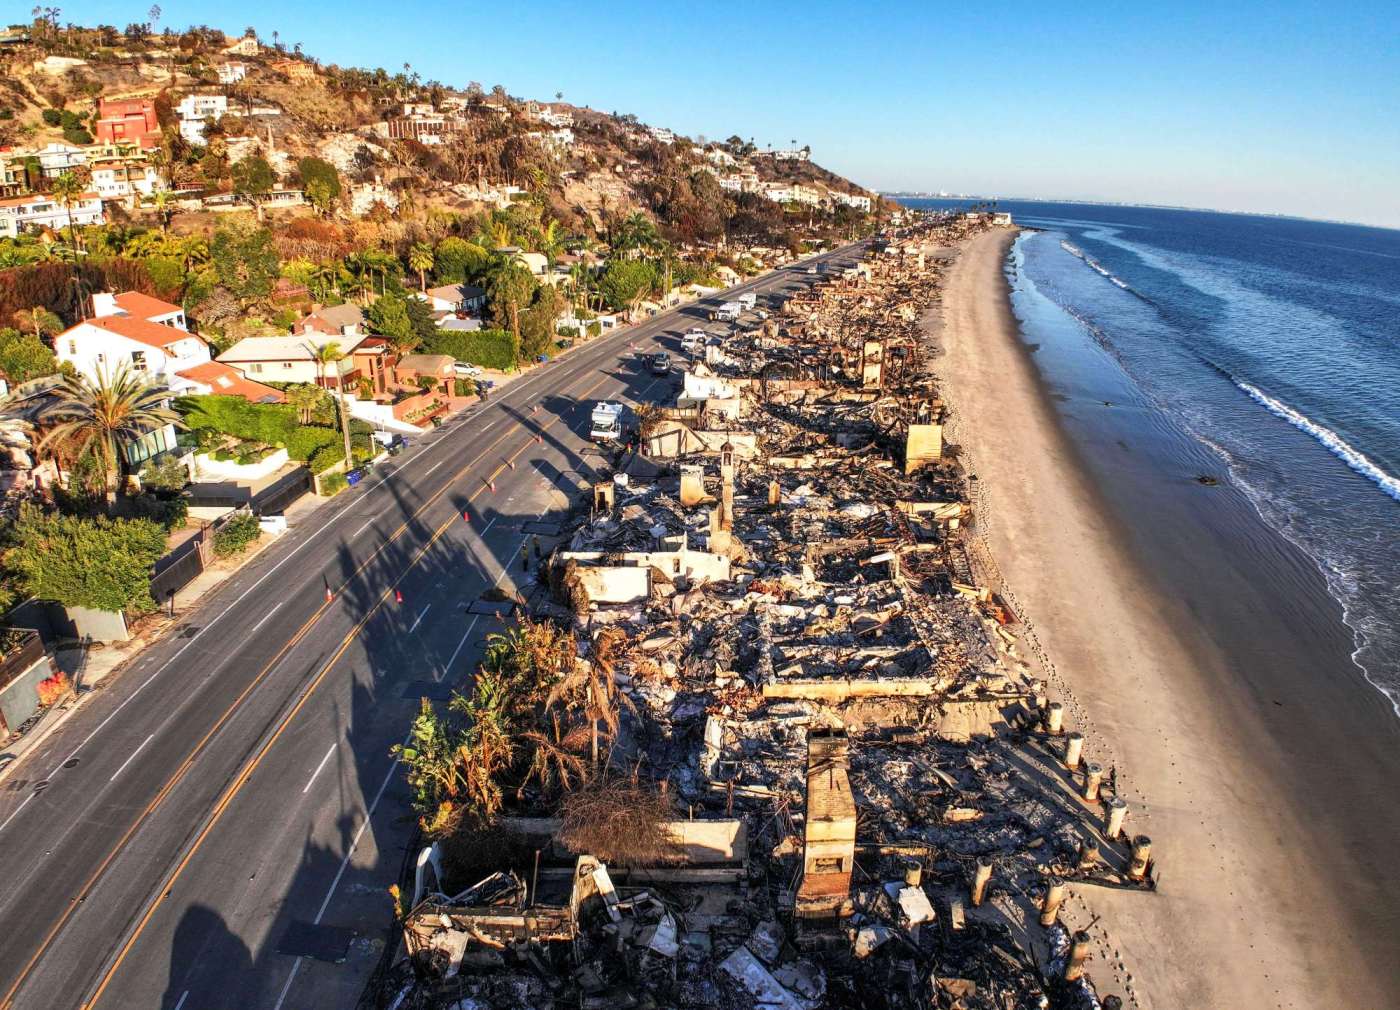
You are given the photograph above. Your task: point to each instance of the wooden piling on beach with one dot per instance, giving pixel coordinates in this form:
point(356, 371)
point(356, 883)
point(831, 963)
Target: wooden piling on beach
point(1050, 905)
point(1088, 854)
point(1055, 718)
point(1117, 813)
point(1078, 954)
point(1142, 855)
point(914, 875)
point(1074, 750)
point(1093, 775)
point(979, 881)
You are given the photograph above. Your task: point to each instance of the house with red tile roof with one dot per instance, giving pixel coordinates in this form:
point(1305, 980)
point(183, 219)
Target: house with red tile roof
point(217, 379)
point(145, 334)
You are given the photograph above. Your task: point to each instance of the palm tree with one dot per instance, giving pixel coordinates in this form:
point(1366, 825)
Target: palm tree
point(420, 258)
point(601, 700)
point(40, 320)
point(160, 200)
point(106, 417)
point(330, 354)
point(304, 397)
point(67, 189)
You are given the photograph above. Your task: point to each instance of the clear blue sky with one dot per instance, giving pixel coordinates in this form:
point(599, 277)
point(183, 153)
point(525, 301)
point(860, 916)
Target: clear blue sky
point(1281, 107)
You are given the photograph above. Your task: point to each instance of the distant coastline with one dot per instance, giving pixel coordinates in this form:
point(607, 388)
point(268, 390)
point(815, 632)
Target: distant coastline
point(902, 195)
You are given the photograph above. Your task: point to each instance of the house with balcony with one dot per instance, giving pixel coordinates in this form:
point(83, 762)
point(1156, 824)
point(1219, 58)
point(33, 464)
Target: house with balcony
point(231, 72)
point(37, 211)
point(127, 121)
point(195, 111)
point(292, 357)
point(246, 46)
point(143, 333)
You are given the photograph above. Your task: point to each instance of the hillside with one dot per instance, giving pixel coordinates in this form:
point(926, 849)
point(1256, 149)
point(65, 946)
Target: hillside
point(459, 150)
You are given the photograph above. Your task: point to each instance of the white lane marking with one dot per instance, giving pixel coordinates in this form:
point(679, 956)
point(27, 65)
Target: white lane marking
point(286, 988)
point(418, 620)
point(132, 758)
point(183, 996)
point(368, 522)
point(433, 467)
point(369, 816)
point(451, 659)
point(32, 795)
point(265, 619)
point(318, 769)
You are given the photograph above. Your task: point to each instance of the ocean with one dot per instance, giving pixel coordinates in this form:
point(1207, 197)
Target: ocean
point(1263, 354)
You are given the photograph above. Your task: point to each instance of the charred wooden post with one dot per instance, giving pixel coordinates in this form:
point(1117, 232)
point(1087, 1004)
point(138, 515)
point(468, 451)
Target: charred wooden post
point(1050, 904)
point(980, 880)
point(1078, 954)
point(1074, 750)
point(1142, 856)
point(1093, 776)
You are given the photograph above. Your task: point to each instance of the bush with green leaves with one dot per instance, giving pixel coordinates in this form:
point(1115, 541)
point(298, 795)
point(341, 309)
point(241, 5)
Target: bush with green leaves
point(52, 117)
point(487, 348)
point(99, 563)
point(272, 424)
point(23, 356)
point(172, 511)
point(168, 474)
point(235, 535)
point(332, 483)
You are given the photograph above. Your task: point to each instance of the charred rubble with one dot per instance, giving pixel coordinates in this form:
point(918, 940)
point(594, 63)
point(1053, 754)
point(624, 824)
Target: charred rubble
point(874, 803)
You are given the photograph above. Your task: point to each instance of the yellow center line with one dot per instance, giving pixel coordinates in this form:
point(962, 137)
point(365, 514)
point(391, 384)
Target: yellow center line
point(7, 1001)
point(234, 787)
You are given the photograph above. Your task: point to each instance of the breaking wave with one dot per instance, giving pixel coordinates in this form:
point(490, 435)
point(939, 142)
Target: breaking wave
point(1334, 443)
point(1098, 267)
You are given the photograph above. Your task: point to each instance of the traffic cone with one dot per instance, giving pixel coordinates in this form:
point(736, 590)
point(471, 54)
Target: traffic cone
point(511, 463)
point(466, 516)
point(328, 594)
point(539, 439)
point(492, 485)
point(398, 596)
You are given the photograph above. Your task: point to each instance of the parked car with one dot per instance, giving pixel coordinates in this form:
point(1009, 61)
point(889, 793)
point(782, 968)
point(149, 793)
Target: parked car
point(466, 371)
point(661, 364)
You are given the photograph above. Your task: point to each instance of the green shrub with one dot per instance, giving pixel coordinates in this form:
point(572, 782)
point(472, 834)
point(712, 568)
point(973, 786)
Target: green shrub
point(101, 563)
point(264, 423)
point(487, 348)
point(568, 332)
point(463, 387)
point(326, 457)
point(172, 511)
point(332, 483)
point(236, 534)
point(52, 117)
point(595, 329)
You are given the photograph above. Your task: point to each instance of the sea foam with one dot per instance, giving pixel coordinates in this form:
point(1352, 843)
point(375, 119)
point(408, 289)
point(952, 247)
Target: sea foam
point(1337, 445)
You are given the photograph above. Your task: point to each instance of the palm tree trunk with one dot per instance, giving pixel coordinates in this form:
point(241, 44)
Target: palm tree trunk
point(344, 419)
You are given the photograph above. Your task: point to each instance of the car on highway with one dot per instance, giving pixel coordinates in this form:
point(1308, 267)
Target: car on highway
point(661, 364)
point(811, 271)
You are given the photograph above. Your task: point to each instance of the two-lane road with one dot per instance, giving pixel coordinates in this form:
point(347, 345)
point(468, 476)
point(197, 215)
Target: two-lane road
point(218, 822)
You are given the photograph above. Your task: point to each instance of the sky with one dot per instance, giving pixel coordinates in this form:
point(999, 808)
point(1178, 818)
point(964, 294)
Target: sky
point(1282, 107)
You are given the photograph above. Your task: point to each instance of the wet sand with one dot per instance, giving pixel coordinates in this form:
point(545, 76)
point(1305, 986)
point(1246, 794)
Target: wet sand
point(1258, 763)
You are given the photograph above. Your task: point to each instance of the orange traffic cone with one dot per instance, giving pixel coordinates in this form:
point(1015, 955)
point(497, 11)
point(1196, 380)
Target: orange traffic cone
point(539, 439)
point(466, 516)
point(328, 594)
point(398, 596)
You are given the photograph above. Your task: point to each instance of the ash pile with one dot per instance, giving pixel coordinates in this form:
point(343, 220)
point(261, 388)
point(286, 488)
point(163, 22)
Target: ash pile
point(862, 795)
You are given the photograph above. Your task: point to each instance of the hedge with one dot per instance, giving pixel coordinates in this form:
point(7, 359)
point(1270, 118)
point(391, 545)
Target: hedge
point(267, 423)
point(236, 534)
point(487, 348)
point(101, 563)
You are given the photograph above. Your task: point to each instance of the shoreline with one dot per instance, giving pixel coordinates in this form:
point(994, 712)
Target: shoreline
point(1243, 894)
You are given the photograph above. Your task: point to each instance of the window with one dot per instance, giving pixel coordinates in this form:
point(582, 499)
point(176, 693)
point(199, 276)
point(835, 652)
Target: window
point(255, 367)
point(72, 347)
point(286, 364)
point(826, 864)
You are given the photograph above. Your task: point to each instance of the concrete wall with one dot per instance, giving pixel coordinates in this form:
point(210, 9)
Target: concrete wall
point(207, 467)
point(20, 698)
point(97, 625)
point(616, 585)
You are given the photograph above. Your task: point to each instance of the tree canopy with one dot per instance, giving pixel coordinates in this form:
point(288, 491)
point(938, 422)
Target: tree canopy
point(101, 563)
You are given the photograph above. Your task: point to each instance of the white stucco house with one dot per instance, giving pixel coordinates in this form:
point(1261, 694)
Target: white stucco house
point(143, 333)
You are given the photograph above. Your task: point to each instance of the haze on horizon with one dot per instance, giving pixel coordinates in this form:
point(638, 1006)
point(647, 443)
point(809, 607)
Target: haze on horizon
point(1284, 108)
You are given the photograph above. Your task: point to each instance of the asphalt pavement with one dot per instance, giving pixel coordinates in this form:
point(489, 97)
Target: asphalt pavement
point(219, 825)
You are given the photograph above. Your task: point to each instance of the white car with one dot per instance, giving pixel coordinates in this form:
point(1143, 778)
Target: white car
point(465, 370)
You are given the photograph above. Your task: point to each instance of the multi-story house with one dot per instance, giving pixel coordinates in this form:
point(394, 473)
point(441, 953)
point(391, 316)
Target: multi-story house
point(194, 112)
point(36, 211)
point(127, 121)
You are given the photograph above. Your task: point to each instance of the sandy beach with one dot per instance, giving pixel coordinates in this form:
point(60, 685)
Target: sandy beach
point(1262, 899)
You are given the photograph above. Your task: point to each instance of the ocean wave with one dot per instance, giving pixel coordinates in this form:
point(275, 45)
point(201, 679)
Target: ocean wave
point(1099, 268)
point(1338, 446)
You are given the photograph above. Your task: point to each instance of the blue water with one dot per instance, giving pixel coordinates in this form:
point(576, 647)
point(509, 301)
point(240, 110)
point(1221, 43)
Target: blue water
point(1273, 342)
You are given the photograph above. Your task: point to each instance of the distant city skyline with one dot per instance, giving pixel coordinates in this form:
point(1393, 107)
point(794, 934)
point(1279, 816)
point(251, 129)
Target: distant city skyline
point(1281, 109)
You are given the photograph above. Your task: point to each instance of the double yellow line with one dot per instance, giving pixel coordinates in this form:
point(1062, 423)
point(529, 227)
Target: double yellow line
point(7, 1002)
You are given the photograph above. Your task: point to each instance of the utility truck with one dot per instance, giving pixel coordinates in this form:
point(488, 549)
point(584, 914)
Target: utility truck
point(748, 300)
point(607, 422)
point(729, 312)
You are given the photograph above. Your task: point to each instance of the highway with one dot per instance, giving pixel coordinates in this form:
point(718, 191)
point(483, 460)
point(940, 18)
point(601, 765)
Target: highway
point(218, 825)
